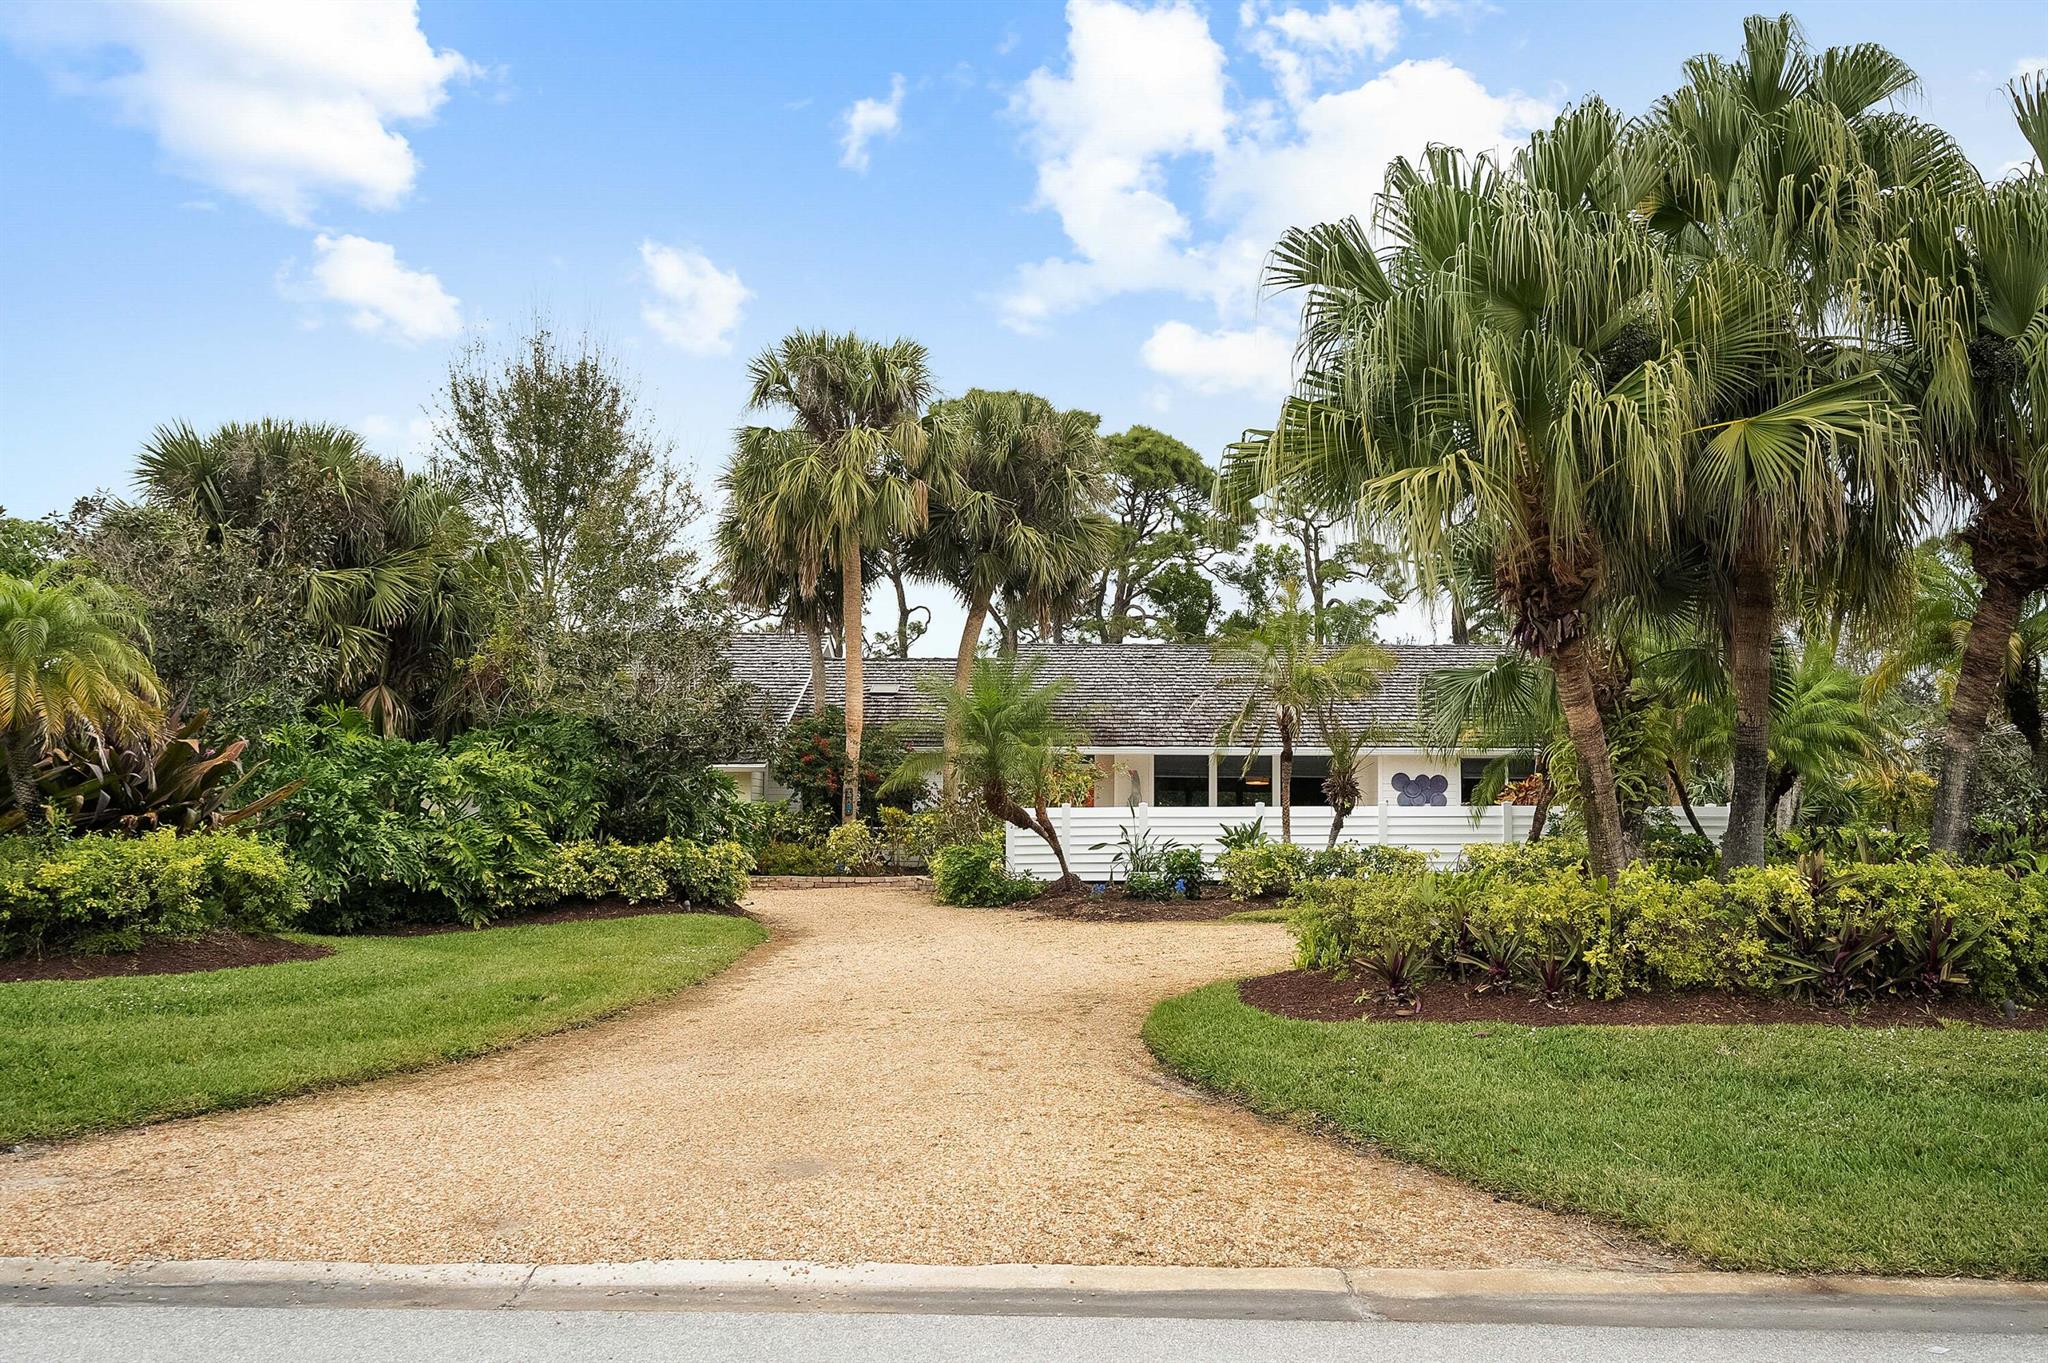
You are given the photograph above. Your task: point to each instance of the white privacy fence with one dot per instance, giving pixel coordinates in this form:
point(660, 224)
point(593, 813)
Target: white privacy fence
point(1441, 832)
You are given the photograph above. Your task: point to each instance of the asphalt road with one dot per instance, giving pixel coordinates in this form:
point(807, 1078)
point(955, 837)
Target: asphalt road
point(232, 1334)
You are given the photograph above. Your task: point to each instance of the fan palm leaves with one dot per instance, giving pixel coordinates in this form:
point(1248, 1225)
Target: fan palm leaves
point(1959, 300)
point(847, 473)
point(70, 657)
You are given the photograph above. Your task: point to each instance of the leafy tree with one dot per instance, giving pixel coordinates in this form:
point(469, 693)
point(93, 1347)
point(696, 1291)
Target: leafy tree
point(26, 547)
point(1014, 749)
point(845, 476)
point(1770, 170)
point(1472, 383)
point(810, 759)
point(1960, 299)
point(1019, 517)
point(1307, 548)
point(69, 658)
point(1286, 675)
point(1166, 532)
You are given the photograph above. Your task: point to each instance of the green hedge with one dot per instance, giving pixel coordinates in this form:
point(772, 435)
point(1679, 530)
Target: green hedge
point(100, 893)
point(1832, 933)
point(1267, 869)
point(713, 876)
point(972, 874)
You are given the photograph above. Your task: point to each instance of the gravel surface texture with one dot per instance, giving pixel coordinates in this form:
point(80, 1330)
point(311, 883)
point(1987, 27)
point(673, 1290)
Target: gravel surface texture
point(885, 1080)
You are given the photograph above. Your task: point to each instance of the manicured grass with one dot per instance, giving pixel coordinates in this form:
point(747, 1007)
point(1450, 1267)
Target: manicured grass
point(1267, 914)
point(1781, 1147)
point(77, 1056)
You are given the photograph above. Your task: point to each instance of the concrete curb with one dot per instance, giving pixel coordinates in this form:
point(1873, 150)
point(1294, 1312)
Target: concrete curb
point(1494, 1296)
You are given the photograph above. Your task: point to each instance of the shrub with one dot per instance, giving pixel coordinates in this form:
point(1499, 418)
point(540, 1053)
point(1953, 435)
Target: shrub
point(1183, 871)
point(1262, 870)
point(1148, 885)
point(709, 875)
point(101, 893)
point(1524, 859)
point(792, 859)
point(853, 847)
point(972, 874)
point(636, 873)
point(810, 759)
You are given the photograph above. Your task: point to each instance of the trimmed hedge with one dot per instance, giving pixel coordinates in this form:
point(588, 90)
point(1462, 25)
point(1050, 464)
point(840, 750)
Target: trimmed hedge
point(972, 874)
point(1268, 869)
point(713, 876)
point(1832, 933)
point(100, 893)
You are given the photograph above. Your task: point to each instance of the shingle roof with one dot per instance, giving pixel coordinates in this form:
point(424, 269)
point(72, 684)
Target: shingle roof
point(1133, 696)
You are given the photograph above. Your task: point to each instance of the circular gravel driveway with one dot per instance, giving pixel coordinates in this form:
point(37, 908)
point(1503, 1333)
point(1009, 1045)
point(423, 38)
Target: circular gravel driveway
point(885, 1080)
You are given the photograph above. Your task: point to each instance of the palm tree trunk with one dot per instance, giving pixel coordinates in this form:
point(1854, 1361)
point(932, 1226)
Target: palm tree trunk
point(1285, 777)
point(21, 778)
point(1573, 668)
point(1985, 650)
point(1684, 800)
point(963, 674)
point(1751, 631)
point(852, 594)
point(815, 633)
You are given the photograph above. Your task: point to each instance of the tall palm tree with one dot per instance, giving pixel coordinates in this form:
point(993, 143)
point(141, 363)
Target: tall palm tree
point(1022, 513)
point(1960, 297)
point(761, 563)
point(1286, 675)
point(846, 474)
point(1012, 746)
point(69, 658)
point(1771, 170)
point(1504, 368)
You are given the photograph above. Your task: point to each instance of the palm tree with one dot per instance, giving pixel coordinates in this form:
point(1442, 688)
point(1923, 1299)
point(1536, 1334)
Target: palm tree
point(1961, 299)
point(848, 473)
point(1507, 702)
point(68, 659)
point(762, 569)
point(1012, 746)
point(1503, 371)
point(1286, 674)
point(1021, 515)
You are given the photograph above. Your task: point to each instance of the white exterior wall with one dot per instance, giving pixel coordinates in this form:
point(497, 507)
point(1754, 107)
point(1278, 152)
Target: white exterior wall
point(1443, 833)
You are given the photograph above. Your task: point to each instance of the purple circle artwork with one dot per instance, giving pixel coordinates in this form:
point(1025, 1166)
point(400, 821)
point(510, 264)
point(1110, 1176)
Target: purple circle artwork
point(1414, 791)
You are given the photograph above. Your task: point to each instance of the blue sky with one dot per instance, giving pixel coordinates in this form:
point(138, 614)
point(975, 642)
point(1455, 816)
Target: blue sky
point(248, 209)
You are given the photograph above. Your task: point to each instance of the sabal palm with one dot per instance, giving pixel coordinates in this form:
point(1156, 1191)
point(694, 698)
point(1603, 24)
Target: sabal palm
point(1011, 739)
point(761, 564)
point(69, 658)
point(1771, 174)
point(1502, 370)
point(846, 474)
point(1021, 516)
point(1286, 675)
point(1960, 299)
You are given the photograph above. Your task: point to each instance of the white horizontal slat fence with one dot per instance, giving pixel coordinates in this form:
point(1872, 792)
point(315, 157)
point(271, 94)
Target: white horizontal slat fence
point(1091, 836)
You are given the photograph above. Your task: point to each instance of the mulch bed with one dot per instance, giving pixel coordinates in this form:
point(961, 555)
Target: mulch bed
point(1114, 906)
point(215, 951)
point(1319, 997)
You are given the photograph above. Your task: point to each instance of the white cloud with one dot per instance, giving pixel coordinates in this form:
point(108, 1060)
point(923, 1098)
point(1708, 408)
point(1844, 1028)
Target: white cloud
point(383, 296)
point(1162, 182)
point(1256, 361)
point(694, 305)
point(278, 104)
point(1304, 48)
point(2029, 66)
point(409, 442)
point(866, 120)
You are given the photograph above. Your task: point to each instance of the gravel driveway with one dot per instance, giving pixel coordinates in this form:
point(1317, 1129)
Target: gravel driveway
point(886, 1080)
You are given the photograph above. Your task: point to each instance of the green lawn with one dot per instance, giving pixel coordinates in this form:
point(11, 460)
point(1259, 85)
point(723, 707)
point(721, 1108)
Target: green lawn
point(1785, 1147)
point(78, 1056)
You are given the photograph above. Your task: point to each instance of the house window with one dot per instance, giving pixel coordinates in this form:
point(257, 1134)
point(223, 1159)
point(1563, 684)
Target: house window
point(1472, 770)
point(1307, 786)
point(1180, 779)
point(1240, 785)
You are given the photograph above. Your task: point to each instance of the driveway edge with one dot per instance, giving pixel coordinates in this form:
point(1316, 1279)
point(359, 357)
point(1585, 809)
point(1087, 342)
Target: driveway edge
point(1492, 1296)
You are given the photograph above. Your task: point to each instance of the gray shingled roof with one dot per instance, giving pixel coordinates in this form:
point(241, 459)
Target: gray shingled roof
point(1128, 696)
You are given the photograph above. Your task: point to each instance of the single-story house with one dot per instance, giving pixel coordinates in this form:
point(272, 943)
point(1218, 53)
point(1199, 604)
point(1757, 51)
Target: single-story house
point(1152, 714)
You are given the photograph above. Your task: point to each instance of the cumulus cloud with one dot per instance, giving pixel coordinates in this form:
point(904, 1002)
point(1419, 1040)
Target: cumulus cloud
point(1303, 48)
point(383, 297)
point(1164, 181)
point(693, 305)
point(1256, 361)
point(281, 105)
point(866, 120)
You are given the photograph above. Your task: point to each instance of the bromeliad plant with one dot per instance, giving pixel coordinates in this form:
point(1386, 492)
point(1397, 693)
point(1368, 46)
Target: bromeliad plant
point(139, 782)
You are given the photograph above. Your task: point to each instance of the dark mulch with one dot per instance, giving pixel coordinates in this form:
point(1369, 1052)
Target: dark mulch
point(586, 911)
point(215, 951)
point(1319, 997)
point(1114, 906)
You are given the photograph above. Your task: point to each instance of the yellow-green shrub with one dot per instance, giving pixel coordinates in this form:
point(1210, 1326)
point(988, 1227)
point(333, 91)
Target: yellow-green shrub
point(99, 893)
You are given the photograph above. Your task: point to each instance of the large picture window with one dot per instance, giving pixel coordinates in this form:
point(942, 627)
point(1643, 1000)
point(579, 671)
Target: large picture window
point(1180, 779)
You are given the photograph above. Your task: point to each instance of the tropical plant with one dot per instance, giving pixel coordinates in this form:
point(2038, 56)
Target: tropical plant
point(69, 660)
point(1014, 747)
point(1958, 297)
point(140, 781)
point(847, 474)
point(1505, 372)
point(1286, 675)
